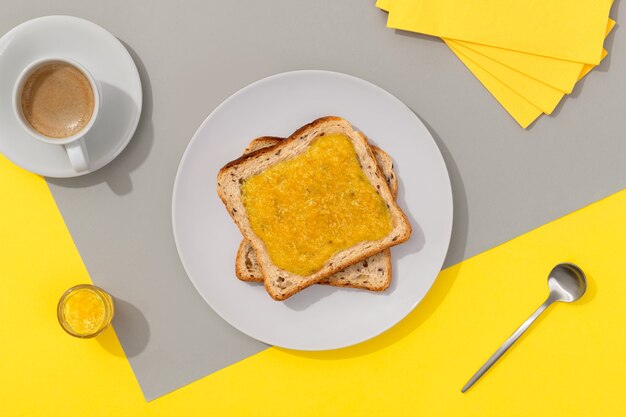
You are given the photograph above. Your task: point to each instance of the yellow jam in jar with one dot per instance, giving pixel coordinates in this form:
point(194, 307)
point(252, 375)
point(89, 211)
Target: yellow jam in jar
point(85, 310)
point(315, 205)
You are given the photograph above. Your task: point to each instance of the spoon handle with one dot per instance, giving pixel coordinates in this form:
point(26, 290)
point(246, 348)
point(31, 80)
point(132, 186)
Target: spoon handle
point(506, 345)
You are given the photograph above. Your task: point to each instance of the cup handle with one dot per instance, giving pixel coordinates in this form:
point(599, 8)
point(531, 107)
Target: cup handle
point(77, 153)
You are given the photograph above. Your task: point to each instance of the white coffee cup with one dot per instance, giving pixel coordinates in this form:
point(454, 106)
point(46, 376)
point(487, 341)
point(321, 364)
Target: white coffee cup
point(75, 144)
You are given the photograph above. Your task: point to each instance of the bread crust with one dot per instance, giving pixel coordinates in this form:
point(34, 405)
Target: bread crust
point(281, 284)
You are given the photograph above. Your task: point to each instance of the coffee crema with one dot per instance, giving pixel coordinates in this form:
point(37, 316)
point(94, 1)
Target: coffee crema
point(57, 100)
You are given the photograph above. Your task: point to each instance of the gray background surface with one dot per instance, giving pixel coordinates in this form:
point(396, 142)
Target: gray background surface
point(194, 54)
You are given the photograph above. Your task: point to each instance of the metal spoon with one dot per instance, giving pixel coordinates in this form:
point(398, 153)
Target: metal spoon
point(567, 283)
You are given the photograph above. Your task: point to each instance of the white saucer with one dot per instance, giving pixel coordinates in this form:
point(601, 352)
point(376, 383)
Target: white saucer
point(111, 65)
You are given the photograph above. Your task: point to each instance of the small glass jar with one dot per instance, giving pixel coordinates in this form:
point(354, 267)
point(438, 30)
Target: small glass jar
point(85, 311)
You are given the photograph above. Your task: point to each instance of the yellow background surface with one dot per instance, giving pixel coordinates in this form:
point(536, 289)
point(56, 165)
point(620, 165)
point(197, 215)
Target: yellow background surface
point(571, 363)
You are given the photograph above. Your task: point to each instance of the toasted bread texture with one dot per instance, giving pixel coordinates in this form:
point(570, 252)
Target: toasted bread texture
point(282, 284)
point(373, 274)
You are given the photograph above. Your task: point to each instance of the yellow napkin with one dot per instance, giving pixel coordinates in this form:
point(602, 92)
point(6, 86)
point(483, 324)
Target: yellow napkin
point(588, 67)
point(523, 111)
point(556, 73)
point(564, 29)
point(536, 92)
point(522, 82)
point(541, 95)
point(501, 81)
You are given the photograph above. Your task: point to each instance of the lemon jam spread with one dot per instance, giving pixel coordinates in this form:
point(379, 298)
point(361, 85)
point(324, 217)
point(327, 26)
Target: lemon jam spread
point(84, 311)
point(315, 205)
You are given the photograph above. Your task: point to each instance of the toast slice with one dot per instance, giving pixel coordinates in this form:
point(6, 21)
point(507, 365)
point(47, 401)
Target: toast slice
point(373, 274)
point(282, 284)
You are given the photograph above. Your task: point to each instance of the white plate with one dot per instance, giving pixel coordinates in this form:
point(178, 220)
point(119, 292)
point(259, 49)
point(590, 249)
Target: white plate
point(320, 317)
point(111, 65)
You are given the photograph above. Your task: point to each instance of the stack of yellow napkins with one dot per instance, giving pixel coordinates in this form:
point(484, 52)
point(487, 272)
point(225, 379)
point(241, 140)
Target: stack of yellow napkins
point(528, 54)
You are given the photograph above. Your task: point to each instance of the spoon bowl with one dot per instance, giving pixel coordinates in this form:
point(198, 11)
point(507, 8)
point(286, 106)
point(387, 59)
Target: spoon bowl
point(567, 283)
